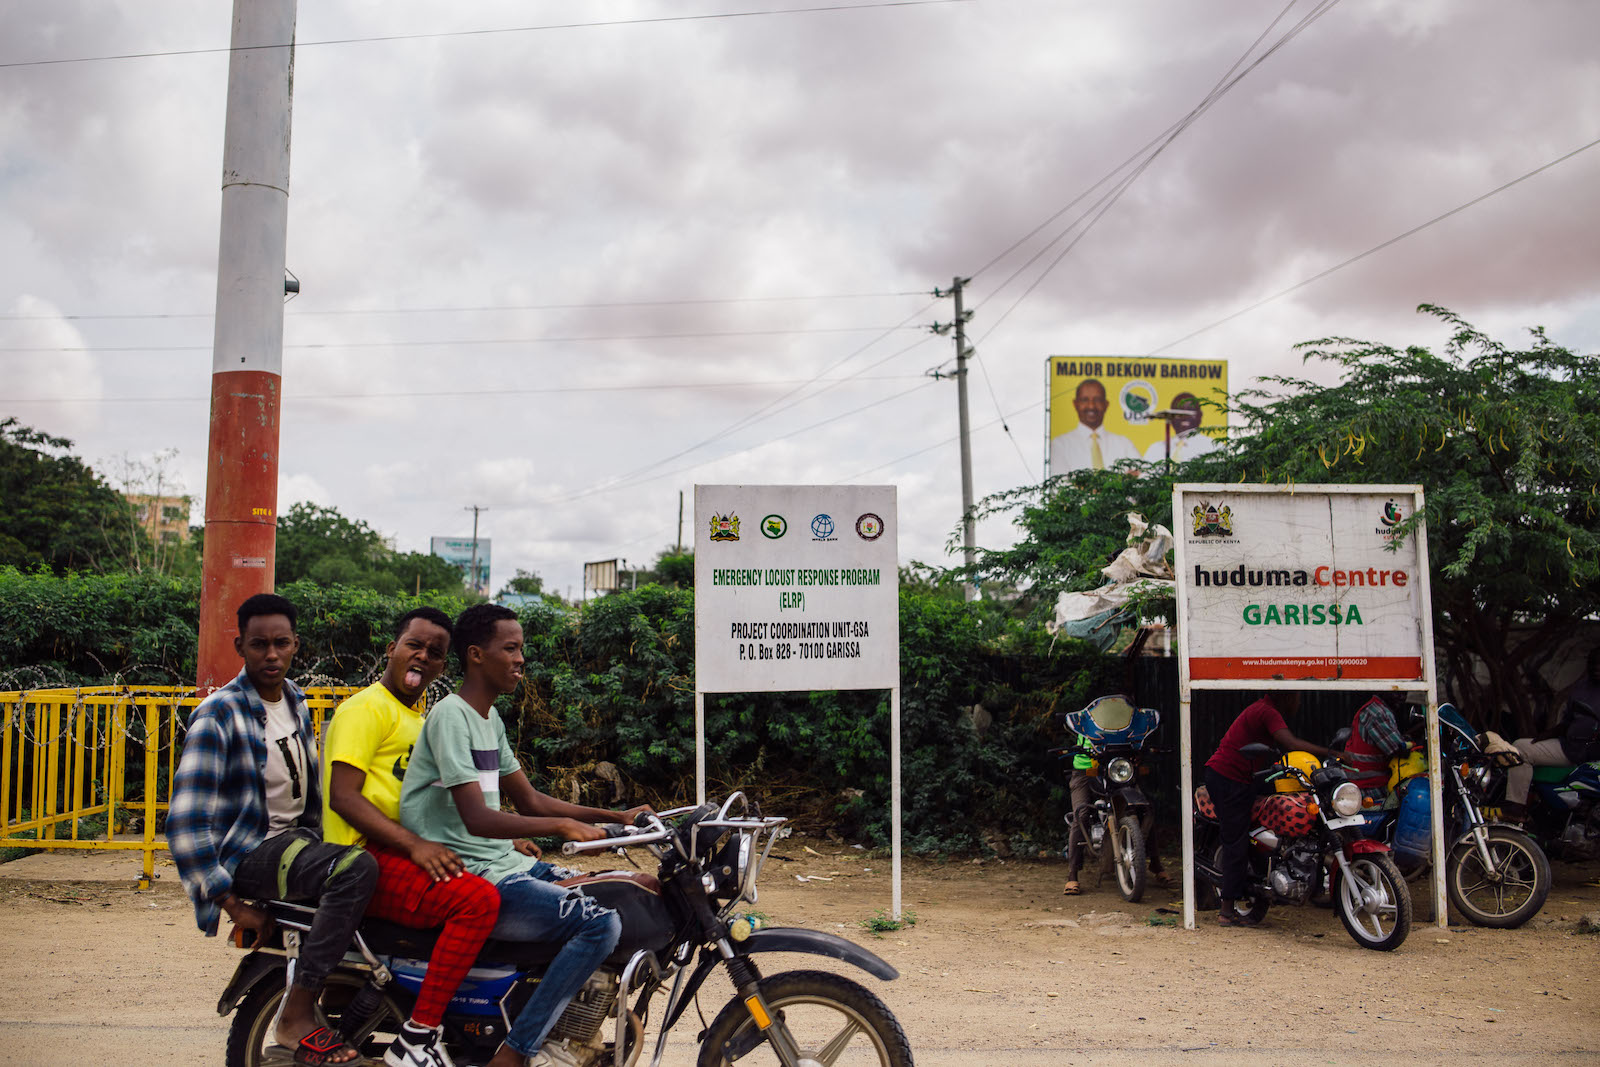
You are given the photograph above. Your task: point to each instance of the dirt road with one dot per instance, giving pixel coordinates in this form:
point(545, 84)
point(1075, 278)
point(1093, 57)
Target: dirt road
point(1000, 968)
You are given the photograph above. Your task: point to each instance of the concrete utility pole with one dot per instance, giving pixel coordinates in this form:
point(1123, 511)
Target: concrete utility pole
point(969, 542)
point(472, 572)
point(247, 351)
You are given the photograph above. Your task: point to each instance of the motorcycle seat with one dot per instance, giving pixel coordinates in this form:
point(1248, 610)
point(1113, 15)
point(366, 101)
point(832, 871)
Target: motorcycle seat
point(391, 939)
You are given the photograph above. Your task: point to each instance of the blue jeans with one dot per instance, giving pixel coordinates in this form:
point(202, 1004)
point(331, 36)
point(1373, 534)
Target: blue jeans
point(532, 909)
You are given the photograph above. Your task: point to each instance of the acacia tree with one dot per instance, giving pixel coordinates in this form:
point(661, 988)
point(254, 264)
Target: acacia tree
point(1505, 442)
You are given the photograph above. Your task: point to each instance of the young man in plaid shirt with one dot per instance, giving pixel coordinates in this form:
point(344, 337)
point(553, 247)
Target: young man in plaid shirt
point(245, 815)
point(421, 883)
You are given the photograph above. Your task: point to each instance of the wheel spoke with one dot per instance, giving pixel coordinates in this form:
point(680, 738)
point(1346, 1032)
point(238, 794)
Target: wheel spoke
point(829, 1054)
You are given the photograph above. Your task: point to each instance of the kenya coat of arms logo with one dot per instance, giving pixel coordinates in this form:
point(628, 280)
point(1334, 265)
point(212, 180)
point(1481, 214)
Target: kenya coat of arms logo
point(725, 527)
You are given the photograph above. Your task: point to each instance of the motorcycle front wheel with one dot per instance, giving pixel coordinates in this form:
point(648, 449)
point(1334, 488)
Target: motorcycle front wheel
point(1504, 891)
point(250, 1037)
point(1373, 902)
point(1127, 847)
point(828, 1019)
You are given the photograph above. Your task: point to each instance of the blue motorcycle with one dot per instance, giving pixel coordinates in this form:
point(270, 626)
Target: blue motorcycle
point(1496, 875)
point(1119, 817)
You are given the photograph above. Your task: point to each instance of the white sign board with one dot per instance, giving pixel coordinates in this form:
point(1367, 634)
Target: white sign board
point(796, 588)
point(1311, 586)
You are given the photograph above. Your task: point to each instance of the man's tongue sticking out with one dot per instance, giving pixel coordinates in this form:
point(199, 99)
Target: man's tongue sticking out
point(413, 678)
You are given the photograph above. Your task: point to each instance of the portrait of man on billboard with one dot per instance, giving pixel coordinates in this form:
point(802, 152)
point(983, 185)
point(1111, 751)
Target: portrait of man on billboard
point(1187, 440)
point(1089, 444)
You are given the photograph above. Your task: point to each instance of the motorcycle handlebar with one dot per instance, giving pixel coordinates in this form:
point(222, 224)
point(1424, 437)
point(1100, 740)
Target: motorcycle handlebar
point(615, 832)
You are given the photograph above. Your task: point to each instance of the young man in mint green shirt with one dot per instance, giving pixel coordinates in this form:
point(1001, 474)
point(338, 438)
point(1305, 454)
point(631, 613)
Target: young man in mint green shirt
point(460, 768)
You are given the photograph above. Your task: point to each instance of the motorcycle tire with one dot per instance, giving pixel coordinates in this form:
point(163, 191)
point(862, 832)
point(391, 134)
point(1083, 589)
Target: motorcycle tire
point(1506, 898)
point(1375, 905)
point(250, 1035)
point(824, 1014)
point(1128, 856)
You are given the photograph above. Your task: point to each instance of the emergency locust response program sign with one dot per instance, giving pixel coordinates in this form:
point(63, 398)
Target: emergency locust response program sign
point(796, 588)
point(1307, 585)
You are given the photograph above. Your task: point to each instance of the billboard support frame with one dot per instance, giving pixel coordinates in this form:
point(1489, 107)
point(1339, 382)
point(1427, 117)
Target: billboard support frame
point(1428, 683)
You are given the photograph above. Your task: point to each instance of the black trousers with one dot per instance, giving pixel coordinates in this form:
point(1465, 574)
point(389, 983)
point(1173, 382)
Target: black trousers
point(337, 878)
point(1232, 801)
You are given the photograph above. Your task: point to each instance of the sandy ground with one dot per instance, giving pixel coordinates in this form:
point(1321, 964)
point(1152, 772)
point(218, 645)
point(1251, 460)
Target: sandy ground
point(999, 968)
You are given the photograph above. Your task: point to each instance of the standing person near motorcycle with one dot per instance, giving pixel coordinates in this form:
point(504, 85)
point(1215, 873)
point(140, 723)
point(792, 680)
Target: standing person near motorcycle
point(245, 817)
point(1082, 804)
point(1229, 780)
point(461, 767)
point(1375, 739)
point(421, 883)
point(1573, 740)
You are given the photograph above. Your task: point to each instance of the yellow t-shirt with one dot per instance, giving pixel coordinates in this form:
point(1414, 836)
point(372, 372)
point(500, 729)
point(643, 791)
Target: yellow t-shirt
point(373, 732)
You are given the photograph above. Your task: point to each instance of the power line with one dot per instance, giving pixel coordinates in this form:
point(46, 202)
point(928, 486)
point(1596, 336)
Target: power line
point(465, 342)
point(439, 34)
point(433, 394)
point(1375, 248)
point(1098, 210)
point(301, 313)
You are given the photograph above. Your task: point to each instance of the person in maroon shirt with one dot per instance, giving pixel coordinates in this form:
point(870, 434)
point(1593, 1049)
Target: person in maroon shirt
point(1233, 791)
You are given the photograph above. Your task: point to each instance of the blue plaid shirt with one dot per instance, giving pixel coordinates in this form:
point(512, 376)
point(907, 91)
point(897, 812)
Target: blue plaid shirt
point(218, 813)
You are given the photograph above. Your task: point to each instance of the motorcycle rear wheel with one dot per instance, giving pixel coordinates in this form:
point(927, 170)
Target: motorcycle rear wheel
point(1128, 856)
point(1373, 902)
point(1507, 896)
point(826, 1015)
point(250, 1036)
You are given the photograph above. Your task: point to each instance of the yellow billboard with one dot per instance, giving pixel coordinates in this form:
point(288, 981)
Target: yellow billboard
point(1105, 409)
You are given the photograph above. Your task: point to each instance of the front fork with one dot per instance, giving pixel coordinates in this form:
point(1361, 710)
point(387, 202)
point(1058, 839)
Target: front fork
point(747, 981)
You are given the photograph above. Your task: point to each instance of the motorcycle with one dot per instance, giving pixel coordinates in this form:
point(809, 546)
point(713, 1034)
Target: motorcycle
point(1306, 833)
point(1564, 811)
point(1495, 874)
point(1119, 817)
point(677, 927)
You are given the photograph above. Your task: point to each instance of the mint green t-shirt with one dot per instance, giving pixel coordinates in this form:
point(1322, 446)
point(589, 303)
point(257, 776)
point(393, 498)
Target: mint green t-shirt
point(457, 745)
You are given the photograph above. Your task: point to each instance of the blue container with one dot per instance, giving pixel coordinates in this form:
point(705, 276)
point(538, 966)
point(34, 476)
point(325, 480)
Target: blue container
point(1413, 830)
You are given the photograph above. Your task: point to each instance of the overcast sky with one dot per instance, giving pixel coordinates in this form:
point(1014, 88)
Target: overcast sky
point(567, 272)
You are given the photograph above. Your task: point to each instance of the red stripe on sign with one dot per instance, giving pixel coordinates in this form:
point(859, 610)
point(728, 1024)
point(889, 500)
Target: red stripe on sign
point(1402, 668)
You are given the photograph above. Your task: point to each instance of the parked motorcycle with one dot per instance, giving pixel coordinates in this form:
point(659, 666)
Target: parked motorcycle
point(1495, 874)
point(677, 927)
point(1564, 811)
point(1120, 816)
point(1307, 833)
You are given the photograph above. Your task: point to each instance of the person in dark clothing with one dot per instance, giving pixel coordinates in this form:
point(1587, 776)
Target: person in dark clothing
point(246, 817)
point(1229, 781)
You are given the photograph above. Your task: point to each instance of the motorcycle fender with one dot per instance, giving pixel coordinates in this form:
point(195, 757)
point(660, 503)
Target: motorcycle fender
point(785, 939)
point(817, 943)
point(1128, 798)
point(252, 970)
point(1366, 844)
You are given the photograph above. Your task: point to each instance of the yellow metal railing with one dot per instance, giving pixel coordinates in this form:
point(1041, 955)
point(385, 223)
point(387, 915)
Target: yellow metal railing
point(65, 757)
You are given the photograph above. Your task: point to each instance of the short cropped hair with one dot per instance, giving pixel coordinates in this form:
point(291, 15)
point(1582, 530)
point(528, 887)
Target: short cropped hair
point(266, 604)
point(475, 626)
point(426, 614)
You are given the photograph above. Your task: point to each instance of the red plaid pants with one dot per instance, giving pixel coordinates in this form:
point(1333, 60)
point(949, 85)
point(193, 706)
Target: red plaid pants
point(466, 906)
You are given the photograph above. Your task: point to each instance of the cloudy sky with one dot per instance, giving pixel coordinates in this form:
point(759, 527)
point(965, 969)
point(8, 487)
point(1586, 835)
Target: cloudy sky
point(566, 260)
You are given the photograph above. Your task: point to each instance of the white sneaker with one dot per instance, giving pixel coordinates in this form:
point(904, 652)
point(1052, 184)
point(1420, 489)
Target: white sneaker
point(553, 1054)
point(417, 1047)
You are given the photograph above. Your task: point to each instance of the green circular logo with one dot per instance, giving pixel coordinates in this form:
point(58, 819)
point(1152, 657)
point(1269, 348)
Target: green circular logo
point(774, 526)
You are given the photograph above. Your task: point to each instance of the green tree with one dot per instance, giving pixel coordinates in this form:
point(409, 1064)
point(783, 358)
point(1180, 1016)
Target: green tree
point(324, 546)
point(58, 512)
point(1505, 442)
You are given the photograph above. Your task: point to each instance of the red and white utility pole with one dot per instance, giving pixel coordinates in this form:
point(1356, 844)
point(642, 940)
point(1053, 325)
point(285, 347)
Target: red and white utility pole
point(247, 355)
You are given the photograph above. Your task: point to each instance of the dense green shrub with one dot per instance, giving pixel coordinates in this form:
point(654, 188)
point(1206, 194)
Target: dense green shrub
point(615, 683)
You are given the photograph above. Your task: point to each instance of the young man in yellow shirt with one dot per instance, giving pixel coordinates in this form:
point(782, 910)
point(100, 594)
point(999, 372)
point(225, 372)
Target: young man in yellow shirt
point(421, 883)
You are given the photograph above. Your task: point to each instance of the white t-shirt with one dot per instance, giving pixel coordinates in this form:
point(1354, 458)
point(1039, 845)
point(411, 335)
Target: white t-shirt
point(285, 778)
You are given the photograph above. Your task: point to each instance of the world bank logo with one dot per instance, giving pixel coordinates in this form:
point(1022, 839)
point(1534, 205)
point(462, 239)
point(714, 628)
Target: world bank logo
point(822, 528)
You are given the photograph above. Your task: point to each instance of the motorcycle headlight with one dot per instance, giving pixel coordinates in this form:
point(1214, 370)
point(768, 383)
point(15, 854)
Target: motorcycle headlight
point(1346, 799)
point(1120, 771)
